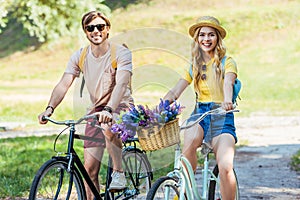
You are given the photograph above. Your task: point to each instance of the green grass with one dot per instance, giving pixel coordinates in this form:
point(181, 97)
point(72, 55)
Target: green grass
point(20, 159)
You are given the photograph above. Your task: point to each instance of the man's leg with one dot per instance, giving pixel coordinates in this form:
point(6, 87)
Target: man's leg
point(92, 163)
point(114, 148)
point(115, 151)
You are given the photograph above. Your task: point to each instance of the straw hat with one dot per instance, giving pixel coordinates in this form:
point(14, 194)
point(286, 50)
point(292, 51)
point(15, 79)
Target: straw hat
point(207, 21)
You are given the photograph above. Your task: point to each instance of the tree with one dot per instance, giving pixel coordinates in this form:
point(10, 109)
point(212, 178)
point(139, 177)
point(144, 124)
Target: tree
point(48, 19)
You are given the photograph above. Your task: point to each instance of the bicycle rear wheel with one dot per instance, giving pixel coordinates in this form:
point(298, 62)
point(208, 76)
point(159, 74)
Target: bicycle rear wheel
point(214, 188)
point(164, 188)
point(52, 182)
point(138, 174)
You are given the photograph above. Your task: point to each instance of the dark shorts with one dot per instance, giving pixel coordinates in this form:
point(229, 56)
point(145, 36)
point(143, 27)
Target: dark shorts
point(214, 125)
point(94, 132)
point(97, 133)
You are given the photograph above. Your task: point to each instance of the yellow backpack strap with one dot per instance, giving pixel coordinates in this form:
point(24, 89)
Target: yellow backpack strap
point(82, 58)
point(81, 66)
point(113, 50)
point(113, 56)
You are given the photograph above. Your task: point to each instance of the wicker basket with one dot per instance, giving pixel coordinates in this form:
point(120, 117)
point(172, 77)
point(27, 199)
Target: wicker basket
point(159, 137)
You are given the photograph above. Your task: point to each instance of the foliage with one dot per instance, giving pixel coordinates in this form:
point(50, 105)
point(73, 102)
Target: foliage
point(47, 20)
point(143, 117)
point(295, 162)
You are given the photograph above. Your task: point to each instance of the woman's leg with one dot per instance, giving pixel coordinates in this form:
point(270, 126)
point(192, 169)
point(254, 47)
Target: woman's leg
point(193, 138)
point(224, 150)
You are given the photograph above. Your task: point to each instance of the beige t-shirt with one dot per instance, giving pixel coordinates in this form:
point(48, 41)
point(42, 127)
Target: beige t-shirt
point(99, 74)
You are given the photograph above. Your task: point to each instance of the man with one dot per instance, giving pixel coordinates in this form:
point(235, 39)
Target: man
point(109, 93)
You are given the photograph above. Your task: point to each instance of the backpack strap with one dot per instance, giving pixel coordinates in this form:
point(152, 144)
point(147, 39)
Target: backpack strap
point(191, 71)
point(113, 56)
point(223, 65)
point(81, 66)
point(82, 58)
point(237, 83)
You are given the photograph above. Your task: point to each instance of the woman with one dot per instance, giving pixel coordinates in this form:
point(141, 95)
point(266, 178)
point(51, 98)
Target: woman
point(213, 84)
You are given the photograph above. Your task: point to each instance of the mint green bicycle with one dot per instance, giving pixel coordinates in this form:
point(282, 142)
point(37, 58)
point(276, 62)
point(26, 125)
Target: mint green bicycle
point(181, 184)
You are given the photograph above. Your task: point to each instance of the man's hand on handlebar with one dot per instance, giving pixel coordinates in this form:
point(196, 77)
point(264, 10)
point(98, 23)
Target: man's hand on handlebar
point(105, 117)
point(46, 113)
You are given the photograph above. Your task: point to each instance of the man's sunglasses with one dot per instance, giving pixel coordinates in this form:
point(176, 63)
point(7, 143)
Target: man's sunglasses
point(90, 28)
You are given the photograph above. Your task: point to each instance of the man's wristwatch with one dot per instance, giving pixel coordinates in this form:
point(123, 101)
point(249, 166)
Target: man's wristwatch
point(51, 107)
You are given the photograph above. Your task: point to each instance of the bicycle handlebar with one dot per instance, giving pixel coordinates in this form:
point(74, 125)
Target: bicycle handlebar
point(71, 122)
point(217, 111)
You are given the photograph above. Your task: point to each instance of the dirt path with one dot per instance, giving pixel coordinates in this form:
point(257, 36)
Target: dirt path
point(263, 165)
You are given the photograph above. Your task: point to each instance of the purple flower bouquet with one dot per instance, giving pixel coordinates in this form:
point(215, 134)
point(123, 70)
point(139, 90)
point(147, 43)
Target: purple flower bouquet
point(140, 116)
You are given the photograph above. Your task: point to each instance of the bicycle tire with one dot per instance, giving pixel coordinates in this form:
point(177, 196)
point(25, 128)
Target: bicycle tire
point(138, 173)
point(164, 188)
point(53, 173)
point(214, 189)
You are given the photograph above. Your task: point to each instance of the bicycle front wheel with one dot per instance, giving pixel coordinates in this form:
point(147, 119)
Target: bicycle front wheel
point(137, 172)
point(214, 186)
point(164, 188)
point(52, 181)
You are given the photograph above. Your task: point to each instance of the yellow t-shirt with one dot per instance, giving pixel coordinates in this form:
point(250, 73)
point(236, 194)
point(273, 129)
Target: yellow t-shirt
point(210, 90)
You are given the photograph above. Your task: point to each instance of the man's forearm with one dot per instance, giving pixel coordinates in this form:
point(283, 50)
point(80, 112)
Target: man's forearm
point(60, 90)
point(117, 95)
point(57, 96)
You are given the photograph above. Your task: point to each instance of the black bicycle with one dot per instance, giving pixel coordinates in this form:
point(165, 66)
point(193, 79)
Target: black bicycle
point(62, 176)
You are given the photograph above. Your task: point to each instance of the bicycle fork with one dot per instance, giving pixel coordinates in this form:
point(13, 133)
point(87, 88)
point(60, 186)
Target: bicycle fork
point(205, 172)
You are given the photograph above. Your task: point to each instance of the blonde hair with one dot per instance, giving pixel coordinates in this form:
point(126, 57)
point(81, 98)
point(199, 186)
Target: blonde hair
point(197, 59)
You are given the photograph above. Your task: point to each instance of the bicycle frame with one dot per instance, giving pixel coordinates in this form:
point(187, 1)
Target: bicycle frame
point(76, 172)
point(184, 171)
point(73, 158)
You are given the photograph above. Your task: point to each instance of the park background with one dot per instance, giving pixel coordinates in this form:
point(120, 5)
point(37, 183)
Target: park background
point(263, 38)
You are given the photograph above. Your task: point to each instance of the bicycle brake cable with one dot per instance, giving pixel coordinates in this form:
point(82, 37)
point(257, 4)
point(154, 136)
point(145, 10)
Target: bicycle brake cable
point(54, 145)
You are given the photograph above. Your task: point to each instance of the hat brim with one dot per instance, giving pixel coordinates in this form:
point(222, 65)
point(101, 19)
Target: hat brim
point(194, 27)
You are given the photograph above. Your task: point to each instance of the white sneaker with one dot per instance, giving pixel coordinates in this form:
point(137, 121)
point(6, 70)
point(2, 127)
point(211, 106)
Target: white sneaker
point(118, 181)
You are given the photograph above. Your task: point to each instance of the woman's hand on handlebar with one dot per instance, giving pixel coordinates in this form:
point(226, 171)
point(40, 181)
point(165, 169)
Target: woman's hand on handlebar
point(228, 105)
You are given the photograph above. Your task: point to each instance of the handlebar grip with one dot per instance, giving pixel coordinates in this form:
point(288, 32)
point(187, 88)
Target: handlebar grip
point(44, 118)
